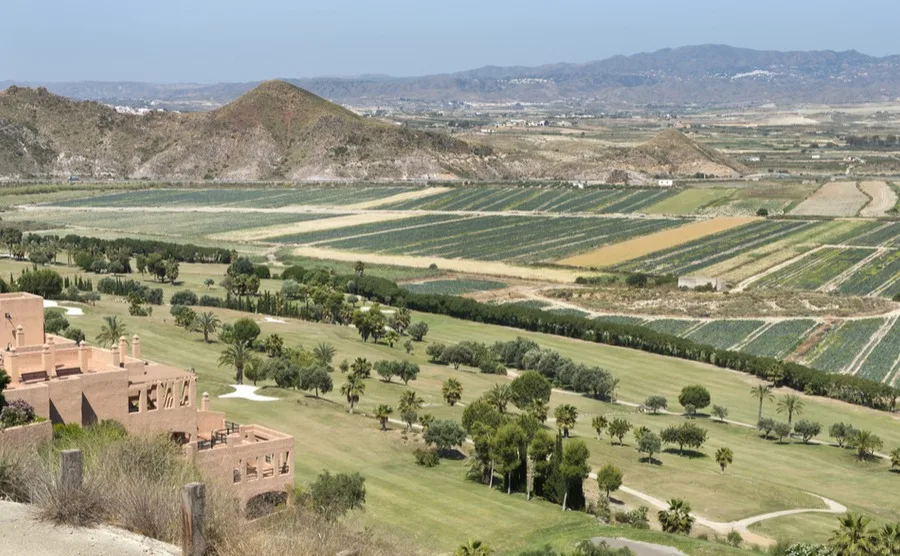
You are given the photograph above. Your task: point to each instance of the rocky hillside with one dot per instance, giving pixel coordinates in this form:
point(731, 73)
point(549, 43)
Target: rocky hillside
point(674, 154)
point(275, 131)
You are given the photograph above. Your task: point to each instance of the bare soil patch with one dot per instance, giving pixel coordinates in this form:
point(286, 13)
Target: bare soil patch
point(256, 234)
point(408, 196)
point(639, 246)
point(487, 268)
point(883, 198)
point(835, 198)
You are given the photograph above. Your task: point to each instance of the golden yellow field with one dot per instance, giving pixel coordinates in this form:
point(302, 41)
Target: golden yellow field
point(640, 246)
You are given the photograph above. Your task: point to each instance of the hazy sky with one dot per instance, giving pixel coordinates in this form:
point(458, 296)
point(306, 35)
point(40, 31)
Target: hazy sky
point(242, 40)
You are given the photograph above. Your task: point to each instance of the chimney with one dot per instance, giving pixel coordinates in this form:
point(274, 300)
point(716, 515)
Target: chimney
point(123, 347)
point(83, 358)
point(136, 346)
point(115, 356)
point(52, 344)
point(20, 336)
point(204, 403)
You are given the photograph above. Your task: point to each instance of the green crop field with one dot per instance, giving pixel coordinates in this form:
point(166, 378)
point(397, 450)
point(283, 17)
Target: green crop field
point(815, 270)
point(841, 346)
point(174, 224)
point(883, 362)
point(621, 319)
point(529, 304)
point(780, 339)
point(671, 326)
point(885, 234)
point(701, 253)
point(454, 287)
point(540, 199)
point(724, 334)
point(690, 201)
point(519, 239)
point(248, 198)
point(881, 276)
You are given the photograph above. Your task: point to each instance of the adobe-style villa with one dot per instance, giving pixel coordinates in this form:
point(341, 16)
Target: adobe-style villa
point(69, 383)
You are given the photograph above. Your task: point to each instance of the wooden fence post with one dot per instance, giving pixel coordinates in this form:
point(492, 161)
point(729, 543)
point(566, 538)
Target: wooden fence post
point(193, 510)
point(71, 469)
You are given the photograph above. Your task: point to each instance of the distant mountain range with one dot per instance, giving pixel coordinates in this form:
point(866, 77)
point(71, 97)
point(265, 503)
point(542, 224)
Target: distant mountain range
point(708, 75)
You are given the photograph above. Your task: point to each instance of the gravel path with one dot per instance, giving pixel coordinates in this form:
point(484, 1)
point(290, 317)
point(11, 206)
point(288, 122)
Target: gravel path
point(21, 534)
point(640, 548)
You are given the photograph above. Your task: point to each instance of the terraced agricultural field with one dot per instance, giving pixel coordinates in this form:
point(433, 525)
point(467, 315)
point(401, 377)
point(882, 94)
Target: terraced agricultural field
point(780, 339)
point(816, 269)
point(454, 287)
point(518, 239)
point(839, 348)
point(880, 276)
point(883, 362)
point(540, 199)
point(707, 251)
point(181, 224)
point(250, 198)
point(723, 334)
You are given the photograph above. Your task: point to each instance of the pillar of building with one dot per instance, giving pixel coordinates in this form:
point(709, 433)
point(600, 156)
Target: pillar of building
point(116, 359)
point(45, 361)
point(83, 358)
point(20, 336)
point(204, 403)
point(142, 401)
point(136, 346)
point(52, 343)
point(11, 364)
point(192, 399)
point(123, 347)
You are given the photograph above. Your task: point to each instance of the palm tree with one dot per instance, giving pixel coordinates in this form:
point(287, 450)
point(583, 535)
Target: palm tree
point(889, 539)
point(853, 536)
point(499, 396)
point(677, 519)
point(410, 401)
point(724, 456)
point(474, 548)
point(790, 404)
point(353, 389)
point(865, 443)
point(895, 458)
point(361, 367)
point(566, 415)
point(452, 390)
point(382, 412)
point(426, 421)
point(324, 353)
point(599, 423)
point(206, 323)
point(762, 392)
point(111, 331)
point(237, 356)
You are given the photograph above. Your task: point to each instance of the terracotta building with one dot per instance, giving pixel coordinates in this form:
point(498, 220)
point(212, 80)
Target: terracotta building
point(70, 383)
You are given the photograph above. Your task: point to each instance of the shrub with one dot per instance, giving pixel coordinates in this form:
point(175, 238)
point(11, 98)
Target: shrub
point(765, 426)
point(807, 429)
point(445, 435)
point(417, 331)
point(16, 413)
point(74, 334)
point(334, 495)
point(262, 271)
point(184, 297)
point(45, 283)
point(655, 403)
point(54, 321)
point(636, 518)
point(427, 457)
point(435, 352)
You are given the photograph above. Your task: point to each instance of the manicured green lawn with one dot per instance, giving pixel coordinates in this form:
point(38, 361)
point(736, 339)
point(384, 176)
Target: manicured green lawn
point(765, 476)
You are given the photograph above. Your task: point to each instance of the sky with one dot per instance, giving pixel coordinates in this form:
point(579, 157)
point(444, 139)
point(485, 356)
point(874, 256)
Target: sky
point(208, 41)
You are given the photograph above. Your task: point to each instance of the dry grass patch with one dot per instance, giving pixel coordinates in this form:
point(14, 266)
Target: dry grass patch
point(883, 198)
point(486, 268)
point(256, 234)
point(407, 196)
point(664, 239)
point(835, 198)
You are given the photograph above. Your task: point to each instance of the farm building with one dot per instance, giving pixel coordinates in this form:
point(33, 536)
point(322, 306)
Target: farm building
point(70, 383)
point(694, 282)
point(665, 183)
